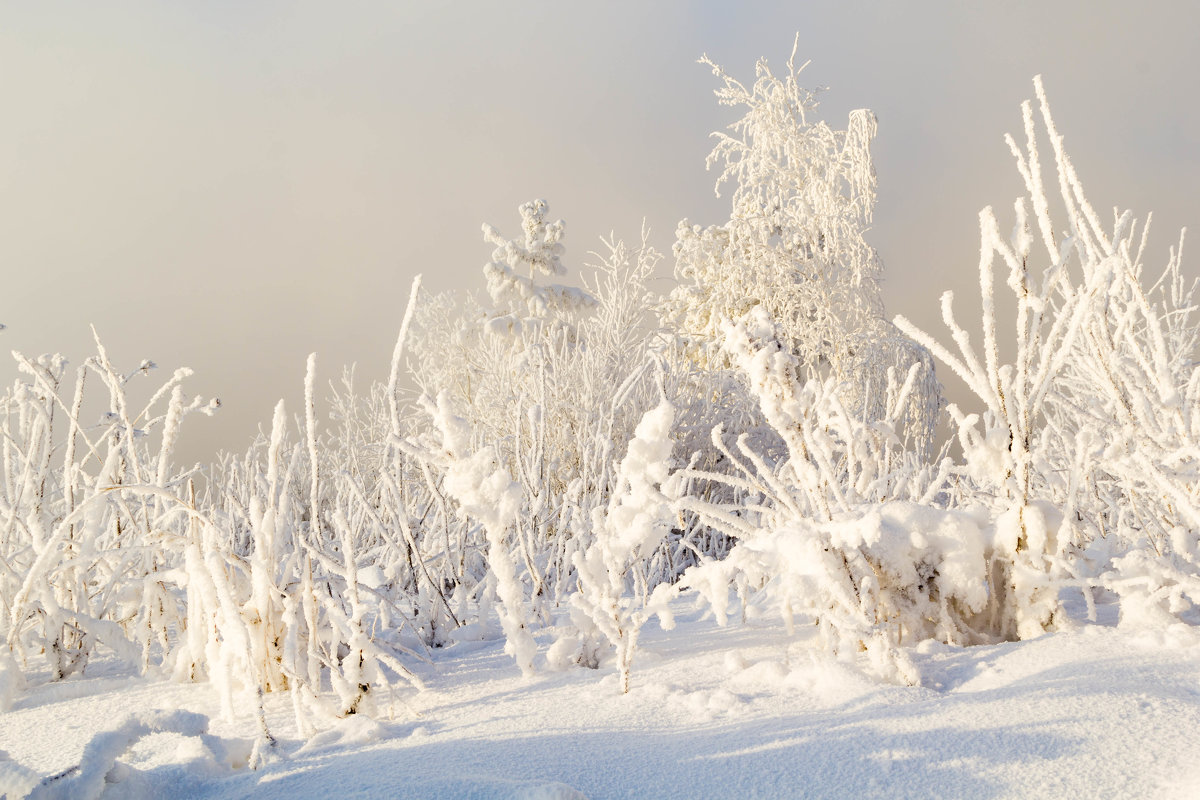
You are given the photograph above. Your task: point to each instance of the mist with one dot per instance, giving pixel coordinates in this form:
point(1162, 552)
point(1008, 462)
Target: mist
point(230, 188)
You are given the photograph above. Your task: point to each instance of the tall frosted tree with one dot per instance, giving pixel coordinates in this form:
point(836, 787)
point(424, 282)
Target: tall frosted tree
point(794, 246)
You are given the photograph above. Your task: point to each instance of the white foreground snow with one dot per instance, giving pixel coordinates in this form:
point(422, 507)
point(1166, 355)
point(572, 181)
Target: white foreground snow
point(737, 712)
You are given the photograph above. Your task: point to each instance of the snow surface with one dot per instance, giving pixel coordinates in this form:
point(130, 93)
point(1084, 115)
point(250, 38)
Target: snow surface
point(737, 712)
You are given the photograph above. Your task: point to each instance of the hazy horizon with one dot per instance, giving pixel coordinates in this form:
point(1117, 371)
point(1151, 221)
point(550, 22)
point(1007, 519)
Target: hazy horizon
point(229, 188)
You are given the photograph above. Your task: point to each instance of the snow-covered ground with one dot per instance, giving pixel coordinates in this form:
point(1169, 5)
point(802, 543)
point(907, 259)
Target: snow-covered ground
point(736, 712)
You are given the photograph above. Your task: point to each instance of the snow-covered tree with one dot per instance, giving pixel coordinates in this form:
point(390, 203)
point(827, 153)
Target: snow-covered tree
point(521, 298)
point(794, 245)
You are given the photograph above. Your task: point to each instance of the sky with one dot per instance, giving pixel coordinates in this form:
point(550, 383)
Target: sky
point(230, 186)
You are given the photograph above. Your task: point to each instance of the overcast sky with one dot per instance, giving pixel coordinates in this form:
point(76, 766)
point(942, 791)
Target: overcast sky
point(232, 185)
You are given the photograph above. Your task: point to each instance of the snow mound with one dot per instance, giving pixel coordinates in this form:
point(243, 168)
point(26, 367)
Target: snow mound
point(355, 730)
point(98, 769)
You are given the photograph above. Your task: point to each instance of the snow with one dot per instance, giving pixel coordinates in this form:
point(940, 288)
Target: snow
point(742, 711)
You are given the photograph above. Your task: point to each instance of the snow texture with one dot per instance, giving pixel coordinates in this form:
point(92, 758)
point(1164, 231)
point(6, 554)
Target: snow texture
point(743, 711)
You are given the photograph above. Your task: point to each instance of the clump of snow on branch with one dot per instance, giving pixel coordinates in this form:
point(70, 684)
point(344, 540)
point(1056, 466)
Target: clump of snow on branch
point(639, 516)
point(486, 492)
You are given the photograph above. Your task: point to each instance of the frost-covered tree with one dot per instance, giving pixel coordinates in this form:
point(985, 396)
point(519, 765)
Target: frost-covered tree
point(495, 360)
point(794, 245)
point(520, 298)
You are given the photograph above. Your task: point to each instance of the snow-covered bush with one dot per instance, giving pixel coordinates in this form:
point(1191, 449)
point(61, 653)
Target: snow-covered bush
point(90, 513)
point(614, 594)
point(486, 492)
point(312, 569)
point(823, 531)
point(553, 388)
point(874, 580)
point(1091, 431)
